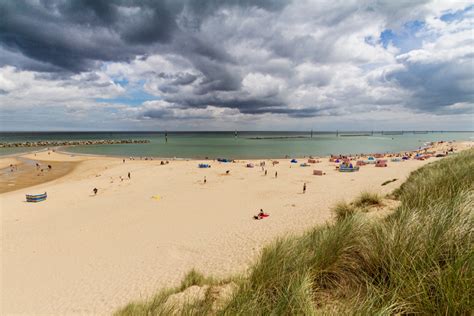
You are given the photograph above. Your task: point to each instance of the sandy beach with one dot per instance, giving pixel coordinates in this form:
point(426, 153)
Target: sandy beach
point(80, 253)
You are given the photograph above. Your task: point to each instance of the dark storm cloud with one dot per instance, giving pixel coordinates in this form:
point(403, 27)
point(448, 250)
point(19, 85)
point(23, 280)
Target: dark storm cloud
point(55, 36)
point(431, 89)
point(179, 79)
point(73, 35)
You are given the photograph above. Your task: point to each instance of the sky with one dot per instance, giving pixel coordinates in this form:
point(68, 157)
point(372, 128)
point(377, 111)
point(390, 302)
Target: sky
point(236, 65)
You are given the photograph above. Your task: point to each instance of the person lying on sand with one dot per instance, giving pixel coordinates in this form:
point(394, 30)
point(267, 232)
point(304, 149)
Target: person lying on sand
point(261, 215)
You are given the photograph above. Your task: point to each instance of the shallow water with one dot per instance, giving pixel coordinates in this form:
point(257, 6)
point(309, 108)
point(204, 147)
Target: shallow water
point(245, 145)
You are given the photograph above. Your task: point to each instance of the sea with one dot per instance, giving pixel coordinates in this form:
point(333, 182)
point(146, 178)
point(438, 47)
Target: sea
point(235, 145)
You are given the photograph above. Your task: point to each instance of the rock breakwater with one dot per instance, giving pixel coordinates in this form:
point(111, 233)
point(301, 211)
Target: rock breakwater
point(74, 143)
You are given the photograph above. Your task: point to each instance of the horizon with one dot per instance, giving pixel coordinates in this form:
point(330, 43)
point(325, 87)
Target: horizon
point(256, 66)
point(238, 131)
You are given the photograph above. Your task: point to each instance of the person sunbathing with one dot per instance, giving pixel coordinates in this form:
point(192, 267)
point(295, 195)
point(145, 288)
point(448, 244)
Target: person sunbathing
point(261, 215)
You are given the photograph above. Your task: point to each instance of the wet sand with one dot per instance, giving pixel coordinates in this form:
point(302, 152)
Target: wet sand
point(25, 174)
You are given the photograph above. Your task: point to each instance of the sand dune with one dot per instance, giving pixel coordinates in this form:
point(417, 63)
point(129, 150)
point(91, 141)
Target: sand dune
point(77, 253)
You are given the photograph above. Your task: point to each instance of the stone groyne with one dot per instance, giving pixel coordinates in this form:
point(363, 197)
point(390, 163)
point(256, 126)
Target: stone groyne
point(53, 143)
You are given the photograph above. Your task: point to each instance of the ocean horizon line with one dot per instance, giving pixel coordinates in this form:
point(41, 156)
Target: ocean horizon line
point(244, 131)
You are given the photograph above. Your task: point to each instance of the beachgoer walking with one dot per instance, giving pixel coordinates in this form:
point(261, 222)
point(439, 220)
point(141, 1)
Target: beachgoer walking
point(205, 180)
point(123, 160)
point(95, 191)
point(276, 174)
point(266, 171)
point(129, 175)
point(304, 188)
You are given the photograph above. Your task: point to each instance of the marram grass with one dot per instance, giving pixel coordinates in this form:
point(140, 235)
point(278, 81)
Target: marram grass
point(418, 260)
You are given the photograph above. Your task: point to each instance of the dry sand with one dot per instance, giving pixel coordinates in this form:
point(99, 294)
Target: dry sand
point(77, 253)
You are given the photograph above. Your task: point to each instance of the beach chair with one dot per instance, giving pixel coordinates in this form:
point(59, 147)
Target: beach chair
point(36, 197)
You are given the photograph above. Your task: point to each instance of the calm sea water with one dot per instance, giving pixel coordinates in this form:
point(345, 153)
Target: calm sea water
point(245, 145)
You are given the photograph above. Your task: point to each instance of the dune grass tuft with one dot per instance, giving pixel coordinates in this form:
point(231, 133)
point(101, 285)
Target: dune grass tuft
point(343, 210)
point(367, 199)
point(418, 260)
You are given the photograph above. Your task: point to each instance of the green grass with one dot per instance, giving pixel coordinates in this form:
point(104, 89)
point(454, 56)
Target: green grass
point(343, 210)
point(367, 199)
point(418, 260)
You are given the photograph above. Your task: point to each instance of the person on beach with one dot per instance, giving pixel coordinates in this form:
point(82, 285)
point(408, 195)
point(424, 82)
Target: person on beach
point(95, 191)
point(304, 188)
point(123, 160)
point(276, 174)
point(265, 171)
point(205, 180)
point(261, 215)
point(129, 176)
point(49, 167)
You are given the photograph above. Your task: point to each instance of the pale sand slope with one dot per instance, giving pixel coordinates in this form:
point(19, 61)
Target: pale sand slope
point(81, 254)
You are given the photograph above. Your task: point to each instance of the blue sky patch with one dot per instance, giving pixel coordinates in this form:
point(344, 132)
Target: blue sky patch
point(406, 39)
point(457, 15)
point(133, 98)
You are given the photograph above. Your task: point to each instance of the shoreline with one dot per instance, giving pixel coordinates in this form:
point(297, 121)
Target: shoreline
point(63, 150)
point(65, 157)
